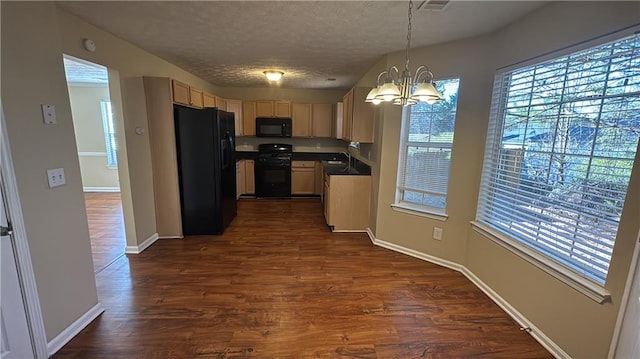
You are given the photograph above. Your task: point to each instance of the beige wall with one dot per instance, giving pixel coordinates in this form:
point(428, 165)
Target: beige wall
point(89, 132)
point(130, 63)
point(55, 219)
point(579, 325)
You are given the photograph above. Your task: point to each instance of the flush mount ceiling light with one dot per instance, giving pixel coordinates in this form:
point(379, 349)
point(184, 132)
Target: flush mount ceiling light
point(273, 75)
point(397, 87)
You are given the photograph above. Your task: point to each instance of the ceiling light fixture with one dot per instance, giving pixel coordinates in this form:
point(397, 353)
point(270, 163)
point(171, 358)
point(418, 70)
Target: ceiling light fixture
point(273, 75)
point(397, 87)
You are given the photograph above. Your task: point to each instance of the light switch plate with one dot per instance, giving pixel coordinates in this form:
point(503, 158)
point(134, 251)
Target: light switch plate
point(56, 177)
point(437, 233)
point(49, 114)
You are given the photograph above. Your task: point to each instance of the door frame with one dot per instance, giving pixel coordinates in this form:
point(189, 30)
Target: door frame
point(26, 276)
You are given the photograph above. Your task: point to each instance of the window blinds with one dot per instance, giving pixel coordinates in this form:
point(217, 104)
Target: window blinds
point(425, 150)
point(562, 139)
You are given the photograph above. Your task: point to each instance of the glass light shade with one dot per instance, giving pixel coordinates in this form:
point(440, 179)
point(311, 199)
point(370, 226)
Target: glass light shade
point(426, 91)
point(371, 96)
point(273, 75)
point(376, 101)
point(388, 92)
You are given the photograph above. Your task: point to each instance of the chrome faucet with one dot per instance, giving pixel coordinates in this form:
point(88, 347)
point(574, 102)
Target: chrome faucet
point(348, 154)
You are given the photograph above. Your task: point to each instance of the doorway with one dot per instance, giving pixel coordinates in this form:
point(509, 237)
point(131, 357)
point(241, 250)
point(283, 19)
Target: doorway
point(95, 131)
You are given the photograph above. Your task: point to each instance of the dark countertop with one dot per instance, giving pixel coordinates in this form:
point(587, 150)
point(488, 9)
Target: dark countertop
point(357, 168)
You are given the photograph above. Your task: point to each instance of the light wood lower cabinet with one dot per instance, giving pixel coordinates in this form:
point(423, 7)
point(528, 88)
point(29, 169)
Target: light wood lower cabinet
point(303, 177)
point(249, 177)
point(240, 181)
point(346, 202)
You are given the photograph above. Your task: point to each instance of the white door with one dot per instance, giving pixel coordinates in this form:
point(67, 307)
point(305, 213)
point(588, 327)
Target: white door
point(629, 343)
point(14, 331)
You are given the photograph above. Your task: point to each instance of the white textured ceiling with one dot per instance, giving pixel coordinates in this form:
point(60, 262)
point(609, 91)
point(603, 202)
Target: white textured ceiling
point(231, 43)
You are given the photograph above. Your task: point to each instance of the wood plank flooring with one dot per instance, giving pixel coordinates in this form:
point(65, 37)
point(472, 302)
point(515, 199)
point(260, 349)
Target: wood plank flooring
point(106, 227)
point(279, 284)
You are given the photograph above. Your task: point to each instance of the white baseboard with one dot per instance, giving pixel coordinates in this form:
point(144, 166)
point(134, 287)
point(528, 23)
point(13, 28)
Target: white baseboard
point(171, 237)
point(142, 246)
point(101, 189)
point(536, 333)
point(71, 331)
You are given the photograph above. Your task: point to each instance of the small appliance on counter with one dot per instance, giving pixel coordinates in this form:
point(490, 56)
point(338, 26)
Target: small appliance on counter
point(273, 127)
point(205, 143)
point(273, 170)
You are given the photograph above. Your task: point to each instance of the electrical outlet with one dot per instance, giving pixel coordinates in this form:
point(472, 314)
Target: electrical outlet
point(56, 177)
point(437, 233)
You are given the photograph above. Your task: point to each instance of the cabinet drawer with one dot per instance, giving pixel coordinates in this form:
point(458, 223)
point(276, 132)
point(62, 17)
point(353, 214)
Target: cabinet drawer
point(306, 164)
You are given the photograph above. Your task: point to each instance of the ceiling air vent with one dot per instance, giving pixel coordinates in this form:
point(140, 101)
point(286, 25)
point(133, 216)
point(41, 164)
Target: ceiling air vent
point(434, 5)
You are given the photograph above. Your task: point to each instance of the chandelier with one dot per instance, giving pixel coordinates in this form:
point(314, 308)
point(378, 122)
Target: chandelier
point(397, 87)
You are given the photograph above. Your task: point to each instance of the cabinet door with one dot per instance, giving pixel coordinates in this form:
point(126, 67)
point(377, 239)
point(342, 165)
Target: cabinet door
point(282, 108)
point(264, 109)
point(319, 182)
point(301, 120)
point(327, 199)
point(195, 97)
point(208, 100)
point(240, 182)
point(180, 92)
point(321, 119)
point(221, 103)
point(249, 118)
point(235, 106)
point(362, 116)
point(303, 180)
point(249, 177)
point(347, 116)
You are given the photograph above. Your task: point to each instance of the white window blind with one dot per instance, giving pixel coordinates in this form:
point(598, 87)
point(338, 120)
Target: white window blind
point(425, 155)
point(109, 133)
point(561, 143)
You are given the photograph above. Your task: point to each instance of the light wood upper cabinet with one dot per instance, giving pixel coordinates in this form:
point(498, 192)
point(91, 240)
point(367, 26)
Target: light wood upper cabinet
point(249, 114)
point(358, 116)
point(264, 109)
point(301, 119)
point(322, 119)
point(209, 100)
point(180, 93)
point(235, 106)
point(184, 94)
point(282, 108)
point(195, 97)
point(221, 103)
point(270, 108)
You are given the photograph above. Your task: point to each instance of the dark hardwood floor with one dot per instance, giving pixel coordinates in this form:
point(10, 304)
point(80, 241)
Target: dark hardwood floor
point(279, 284)
point(106, 227)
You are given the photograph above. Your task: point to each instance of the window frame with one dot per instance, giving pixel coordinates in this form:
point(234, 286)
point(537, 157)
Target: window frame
point(109, 129)
point(587, 286)
point(407, 207)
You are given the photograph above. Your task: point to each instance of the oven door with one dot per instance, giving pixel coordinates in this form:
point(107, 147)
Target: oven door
point(273, 179)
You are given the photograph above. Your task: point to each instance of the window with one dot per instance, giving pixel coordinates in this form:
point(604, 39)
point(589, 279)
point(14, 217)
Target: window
point(425, 155)
point(109, 133)
point(562, 139)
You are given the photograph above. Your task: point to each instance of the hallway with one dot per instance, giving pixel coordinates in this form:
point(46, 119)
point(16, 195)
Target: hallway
point(106, 227)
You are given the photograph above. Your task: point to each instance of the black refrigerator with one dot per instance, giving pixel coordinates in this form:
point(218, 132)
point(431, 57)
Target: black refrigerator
point(205, 144)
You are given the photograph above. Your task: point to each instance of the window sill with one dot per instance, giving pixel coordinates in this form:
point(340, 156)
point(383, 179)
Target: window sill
point(418, 211)
point(583, 285)
point(112, 167)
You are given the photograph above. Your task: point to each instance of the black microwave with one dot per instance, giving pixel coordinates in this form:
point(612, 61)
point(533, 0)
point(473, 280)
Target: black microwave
point(273, 127)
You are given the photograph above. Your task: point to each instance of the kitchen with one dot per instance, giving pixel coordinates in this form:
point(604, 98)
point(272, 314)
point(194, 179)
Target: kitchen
point(316, 152)
point(576, 323)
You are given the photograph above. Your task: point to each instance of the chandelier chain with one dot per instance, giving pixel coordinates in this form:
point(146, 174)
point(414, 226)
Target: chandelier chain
point(406, 65)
